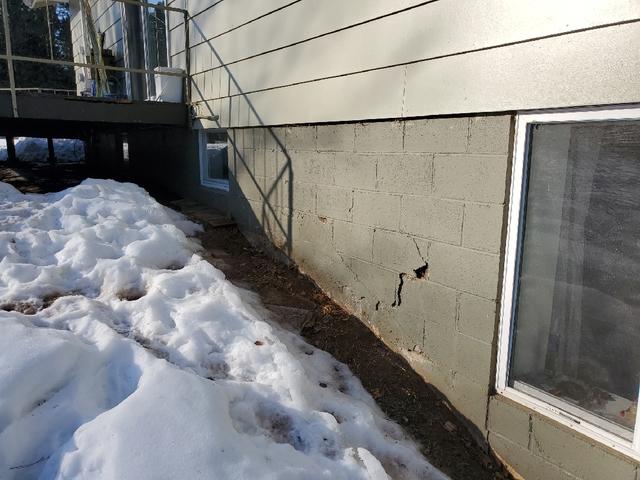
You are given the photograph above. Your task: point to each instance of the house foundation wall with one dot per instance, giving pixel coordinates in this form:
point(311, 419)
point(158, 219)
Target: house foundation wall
point(400, 222)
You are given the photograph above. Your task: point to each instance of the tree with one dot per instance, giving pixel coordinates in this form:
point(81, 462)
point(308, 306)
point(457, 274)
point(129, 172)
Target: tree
point(36, 34)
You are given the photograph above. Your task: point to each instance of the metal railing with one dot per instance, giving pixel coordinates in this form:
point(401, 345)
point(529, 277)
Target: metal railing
point(10, 58)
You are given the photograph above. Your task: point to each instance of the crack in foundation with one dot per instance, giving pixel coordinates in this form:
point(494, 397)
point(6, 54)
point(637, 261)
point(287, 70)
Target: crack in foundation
point(398, 300)
point(418, 249)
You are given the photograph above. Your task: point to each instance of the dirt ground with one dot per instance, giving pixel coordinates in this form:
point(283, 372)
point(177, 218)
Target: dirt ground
point(403, 395)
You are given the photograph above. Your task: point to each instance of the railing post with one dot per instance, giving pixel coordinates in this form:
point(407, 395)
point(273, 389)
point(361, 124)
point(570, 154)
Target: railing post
point(11, 151)
point(187, 56)
point(9, 52)
point(52, 151)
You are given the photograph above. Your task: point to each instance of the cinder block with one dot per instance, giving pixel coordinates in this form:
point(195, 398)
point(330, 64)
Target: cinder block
point(436, 375)
point(477, 317)
point(300, 138)
point(302, 198)
point(509, 420)
point(490, 134)
point(379, 137)
point(404, 331)
point(259, 162)
point(275, 167)
point(310, 167)
point(439, 344)
point(354, 170)
point(274, 193)
point(405, 173)
point(438, 135)
point(482, 228)
point(377, 209)
point(246, 137)
point(336, 138)
point(353, 240)
point(428, 300)
point(274, 138)
point(269, 217)
point(471, 398)
point(331, 273)
point(259, 138)
point(399, 252)
point(311, 236)
point(251, 187)
point(243, 161)
point(374, 281)
point(524, 463)
point(241, 212)
point(478, 178)
point(465, 270)
point(334, 202)
point(432, 218)
point(473, 359)
point(584, 458)
point(235, 139)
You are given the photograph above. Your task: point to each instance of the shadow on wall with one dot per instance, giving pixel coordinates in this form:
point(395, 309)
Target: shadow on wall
point(260, 204)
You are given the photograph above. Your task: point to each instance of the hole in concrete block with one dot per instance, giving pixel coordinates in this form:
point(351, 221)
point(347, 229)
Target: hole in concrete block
point(421, 272)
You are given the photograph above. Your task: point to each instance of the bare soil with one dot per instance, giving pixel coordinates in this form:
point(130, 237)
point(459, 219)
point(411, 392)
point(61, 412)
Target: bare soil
point(400, 392)
point(403, 395)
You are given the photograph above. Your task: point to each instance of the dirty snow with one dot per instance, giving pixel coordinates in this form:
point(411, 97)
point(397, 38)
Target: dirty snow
point(31, 149)
point(124, 354)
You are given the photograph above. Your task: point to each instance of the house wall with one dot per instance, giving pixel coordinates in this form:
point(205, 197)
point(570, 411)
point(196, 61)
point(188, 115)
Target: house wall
point(382, 142)
point(280, 62)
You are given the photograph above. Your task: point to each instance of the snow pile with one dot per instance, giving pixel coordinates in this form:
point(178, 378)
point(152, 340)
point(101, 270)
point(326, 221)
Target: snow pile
point(31, 149)
point(124, 354)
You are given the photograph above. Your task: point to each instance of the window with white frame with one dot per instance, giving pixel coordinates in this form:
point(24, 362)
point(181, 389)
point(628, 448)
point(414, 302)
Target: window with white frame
point(214, 163)
point(570, 327)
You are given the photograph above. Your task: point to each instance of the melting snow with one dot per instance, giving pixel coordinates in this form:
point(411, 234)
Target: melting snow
point(124, 354)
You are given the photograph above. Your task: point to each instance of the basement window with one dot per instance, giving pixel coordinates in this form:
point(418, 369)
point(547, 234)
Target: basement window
point(214, 163)
point(570, 332)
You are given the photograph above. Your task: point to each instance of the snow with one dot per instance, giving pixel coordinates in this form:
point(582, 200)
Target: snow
point(31, 149)
point(124, 354)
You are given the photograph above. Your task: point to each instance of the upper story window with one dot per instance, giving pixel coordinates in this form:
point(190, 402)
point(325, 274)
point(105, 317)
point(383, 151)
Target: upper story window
point(570, 335)
point(214, 163)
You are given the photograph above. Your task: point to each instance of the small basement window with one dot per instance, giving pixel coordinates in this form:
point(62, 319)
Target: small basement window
point(570, 332)
point(214, 163)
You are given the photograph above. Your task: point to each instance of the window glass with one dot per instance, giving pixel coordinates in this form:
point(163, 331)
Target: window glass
point(577, 313)
point(156, 32)
point(214, 158)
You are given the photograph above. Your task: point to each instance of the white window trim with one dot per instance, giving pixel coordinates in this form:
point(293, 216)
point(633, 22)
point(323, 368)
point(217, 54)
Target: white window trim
point(205, 181)
point(520, 154)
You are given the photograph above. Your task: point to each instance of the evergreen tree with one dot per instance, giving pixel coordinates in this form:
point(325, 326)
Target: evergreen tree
point(32, 37)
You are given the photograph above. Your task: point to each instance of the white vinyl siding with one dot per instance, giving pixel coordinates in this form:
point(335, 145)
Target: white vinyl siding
point(444, 57)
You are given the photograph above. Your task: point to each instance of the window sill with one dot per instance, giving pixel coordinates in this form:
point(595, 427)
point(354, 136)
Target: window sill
point(592, 432)
point(221, 185)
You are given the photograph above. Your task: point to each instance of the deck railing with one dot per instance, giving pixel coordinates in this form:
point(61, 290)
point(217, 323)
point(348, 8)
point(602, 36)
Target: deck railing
point(99, 67)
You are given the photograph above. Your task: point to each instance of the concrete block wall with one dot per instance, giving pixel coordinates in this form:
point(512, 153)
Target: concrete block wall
point(540, 449)
point(400, 222)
